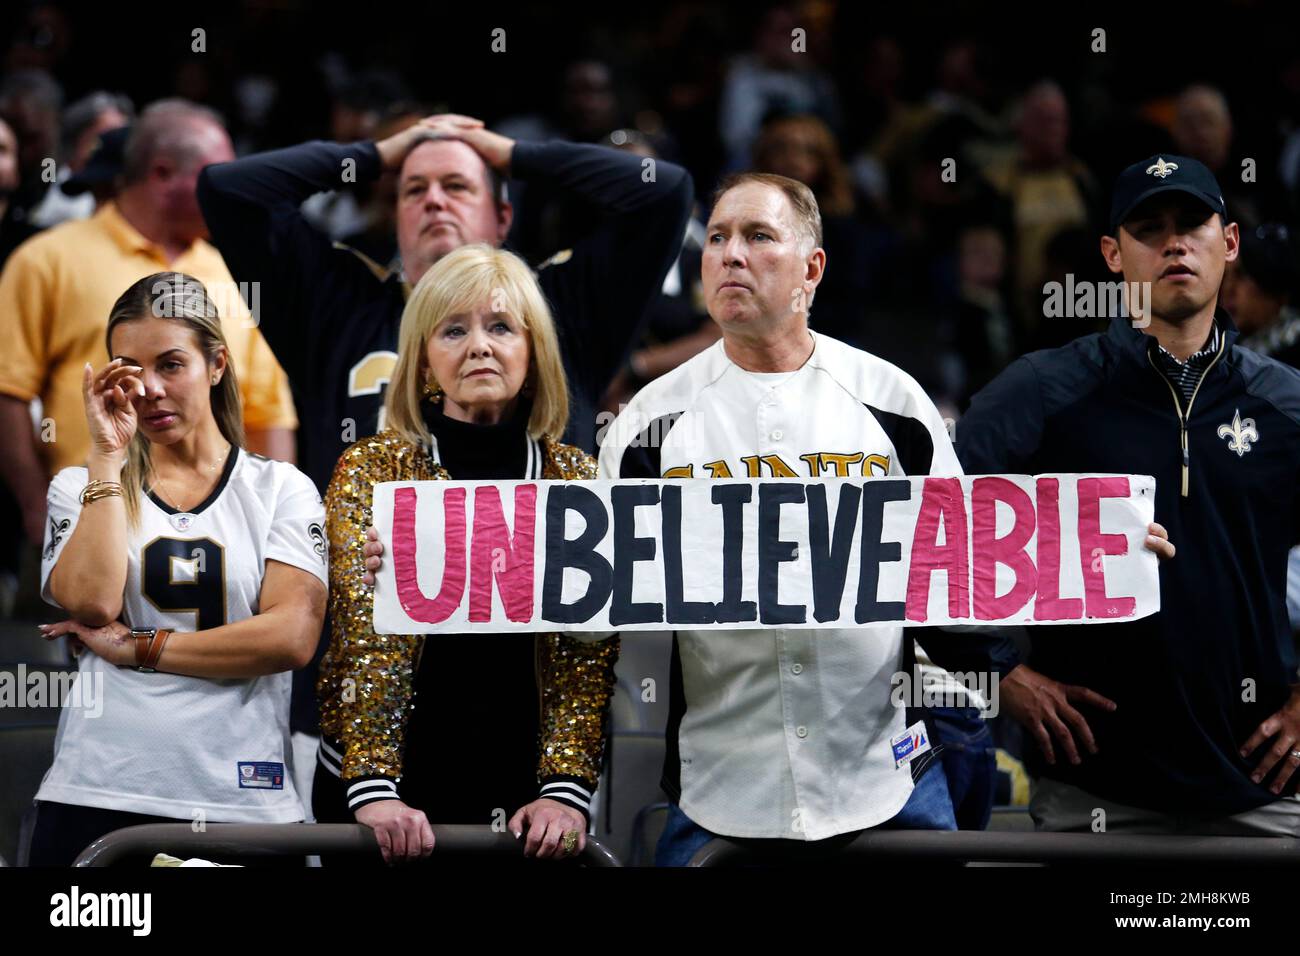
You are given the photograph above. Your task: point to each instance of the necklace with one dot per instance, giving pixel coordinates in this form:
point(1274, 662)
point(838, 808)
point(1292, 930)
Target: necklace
point(176, 502)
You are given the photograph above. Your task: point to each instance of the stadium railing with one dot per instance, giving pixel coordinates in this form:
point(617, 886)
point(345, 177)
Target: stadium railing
point(971, 846)
point(305, 839)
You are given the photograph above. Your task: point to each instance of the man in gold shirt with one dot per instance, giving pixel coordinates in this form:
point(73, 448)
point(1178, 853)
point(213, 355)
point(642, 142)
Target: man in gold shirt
point(57, 289)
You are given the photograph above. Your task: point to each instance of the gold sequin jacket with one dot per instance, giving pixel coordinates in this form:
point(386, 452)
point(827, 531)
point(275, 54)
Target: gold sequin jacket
point(366, 680)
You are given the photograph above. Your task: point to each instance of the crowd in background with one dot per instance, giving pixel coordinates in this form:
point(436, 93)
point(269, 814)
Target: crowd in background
point(958, 170)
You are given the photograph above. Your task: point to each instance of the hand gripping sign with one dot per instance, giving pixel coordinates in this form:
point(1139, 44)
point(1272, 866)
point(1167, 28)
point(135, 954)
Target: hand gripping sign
point(467, 556)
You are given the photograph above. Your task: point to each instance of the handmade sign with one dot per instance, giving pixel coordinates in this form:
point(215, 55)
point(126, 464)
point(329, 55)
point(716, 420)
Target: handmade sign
point(739, 553)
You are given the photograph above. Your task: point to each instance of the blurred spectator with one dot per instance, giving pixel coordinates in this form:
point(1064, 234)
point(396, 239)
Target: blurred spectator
point(358, 110)
point(978, 332)
point(960, 91)
point(685, 76)
point(30, 101)
point(82, 124)
point(42, 41)
point(777, 75)
point(588, 111)
point(1046, 189)
point(802, 148)
point(678, 326)
point(101, 176)
point(1257, 291)
point(54, 307)
point(377, 237)
point(1202, 129)
point(588, 108)
point(13, 232)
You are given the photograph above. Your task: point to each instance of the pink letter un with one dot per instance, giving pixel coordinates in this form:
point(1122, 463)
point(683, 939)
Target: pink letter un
point(414, 603)
point(492, 538)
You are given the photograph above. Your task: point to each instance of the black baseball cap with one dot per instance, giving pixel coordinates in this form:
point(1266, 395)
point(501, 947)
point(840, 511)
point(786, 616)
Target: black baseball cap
point(104, 165)
point(1160, 174)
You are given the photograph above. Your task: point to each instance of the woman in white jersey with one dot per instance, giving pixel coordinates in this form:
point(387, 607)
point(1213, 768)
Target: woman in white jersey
point(194, 574)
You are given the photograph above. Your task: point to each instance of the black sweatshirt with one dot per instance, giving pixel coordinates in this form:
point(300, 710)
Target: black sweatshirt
point(332, 317)
point(1194, 680)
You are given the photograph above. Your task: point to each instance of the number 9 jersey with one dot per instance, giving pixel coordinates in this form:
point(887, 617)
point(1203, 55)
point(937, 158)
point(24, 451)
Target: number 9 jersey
point(188, 747)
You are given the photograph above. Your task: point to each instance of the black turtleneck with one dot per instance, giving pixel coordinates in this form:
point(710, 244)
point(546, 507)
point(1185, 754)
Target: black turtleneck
point(473, 452)
point(471, 740)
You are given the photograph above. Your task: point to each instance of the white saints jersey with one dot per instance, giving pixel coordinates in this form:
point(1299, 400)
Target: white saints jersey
point(783, 732)
point(188, 747)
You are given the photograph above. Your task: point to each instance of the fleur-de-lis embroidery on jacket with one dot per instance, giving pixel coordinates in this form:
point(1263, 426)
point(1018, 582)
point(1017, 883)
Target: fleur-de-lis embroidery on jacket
point(1240, 433)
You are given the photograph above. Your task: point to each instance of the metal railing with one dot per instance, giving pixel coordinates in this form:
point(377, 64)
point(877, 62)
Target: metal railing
point(479, 843)
point(260, 840)
point(972, 846)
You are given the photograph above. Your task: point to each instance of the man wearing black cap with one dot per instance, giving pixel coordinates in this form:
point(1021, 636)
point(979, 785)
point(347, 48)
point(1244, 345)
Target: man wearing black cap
point(1188, 720)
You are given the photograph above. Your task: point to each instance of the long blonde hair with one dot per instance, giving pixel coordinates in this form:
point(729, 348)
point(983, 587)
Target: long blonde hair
point(182, 298)
point(462, 281)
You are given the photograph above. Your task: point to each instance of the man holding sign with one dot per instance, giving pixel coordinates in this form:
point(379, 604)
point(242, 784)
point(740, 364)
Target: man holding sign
point(1189, 720)
point(784, 732)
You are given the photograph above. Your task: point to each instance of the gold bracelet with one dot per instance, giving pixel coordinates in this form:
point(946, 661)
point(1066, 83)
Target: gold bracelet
point(97, 489)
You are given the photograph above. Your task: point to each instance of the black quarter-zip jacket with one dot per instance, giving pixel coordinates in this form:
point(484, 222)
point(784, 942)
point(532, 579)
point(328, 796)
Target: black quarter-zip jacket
point(1193, 681)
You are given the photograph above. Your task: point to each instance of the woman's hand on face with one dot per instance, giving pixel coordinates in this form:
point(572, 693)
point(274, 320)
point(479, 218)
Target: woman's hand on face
point(403, 833)
point(374, 551)
point(545, 822)
point(112, 642)
point(110, 396)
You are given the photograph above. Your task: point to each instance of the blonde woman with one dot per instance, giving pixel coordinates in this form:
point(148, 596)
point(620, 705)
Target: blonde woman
point(478, 729)
point(195, 577)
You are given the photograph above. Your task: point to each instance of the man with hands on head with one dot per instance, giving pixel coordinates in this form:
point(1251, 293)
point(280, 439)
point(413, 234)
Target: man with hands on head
point(331, 315)
point(1187, 720)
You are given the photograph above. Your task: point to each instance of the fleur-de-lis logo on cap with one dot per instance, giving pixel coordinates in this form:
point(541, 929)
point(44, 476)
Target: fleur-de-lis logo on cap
point(1240, 433)
point(1160, 169)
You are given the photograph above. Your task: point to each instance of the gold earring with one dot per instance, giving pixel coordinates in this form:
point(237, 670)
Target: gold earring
point(432, 391)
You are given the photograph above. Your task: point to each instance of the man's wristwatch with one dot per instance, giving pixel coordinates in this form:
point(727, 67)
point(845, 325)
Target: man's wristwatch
point(149, 643)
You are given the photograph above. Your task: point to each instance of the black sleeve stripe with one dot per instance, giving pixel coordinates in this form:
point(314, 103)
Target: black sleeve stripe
point(370, 790)
point(566, 795)
point(671, 779)
point(641, 456)
point(582, 808)
point(911, 440)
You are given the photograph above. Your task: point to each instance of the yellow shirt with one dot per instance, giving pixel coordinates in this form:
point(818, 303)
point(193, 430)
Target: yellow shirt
point(55, 295)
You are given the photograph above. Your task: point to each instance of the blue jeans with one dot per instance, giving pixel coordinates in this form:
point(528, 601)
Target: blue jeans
point(928, 808)
point(969, 761)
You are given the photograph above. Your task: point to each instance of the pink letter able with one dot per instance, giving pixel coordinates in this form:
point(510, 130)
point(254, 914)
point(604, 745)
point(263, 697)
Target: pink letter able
point(1093, 544)
point(988, 550)
point(941, 500)
point(1049, 605)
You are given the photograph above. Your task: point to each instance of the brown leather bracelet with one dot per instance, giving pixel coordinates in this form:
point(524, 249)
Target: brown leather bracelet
point(148, 647)
point(143, 638)
point(160, 636)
